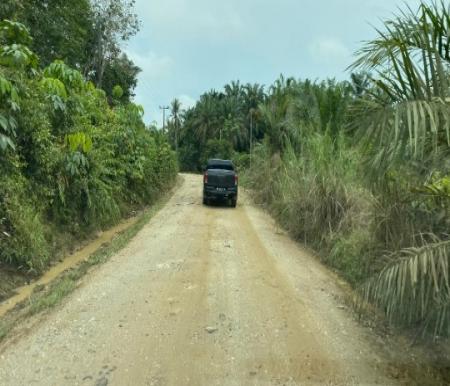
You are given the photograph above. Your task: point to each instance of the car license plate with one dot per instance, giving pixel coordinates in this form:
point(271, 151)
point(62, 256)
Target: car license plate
point(220, 189)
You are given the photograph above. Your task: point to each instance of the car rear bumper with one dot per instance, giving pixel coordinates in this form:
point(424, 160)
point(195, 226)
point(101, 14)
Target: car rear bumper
point(217, 193)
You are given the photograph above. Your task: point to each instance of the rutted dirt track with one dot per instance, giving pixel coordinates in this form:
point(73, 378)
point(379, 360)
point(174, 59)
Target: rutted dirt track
point(201, 296)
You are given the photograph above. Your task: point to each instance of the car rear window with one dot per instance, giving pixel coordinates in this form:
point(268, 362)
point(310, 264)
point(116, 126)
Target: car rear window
point(220, 166)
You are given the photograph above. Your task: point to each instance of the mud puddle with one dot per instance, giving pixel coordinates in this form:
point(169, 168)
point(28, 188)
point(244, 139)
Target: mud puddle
point(24, 292)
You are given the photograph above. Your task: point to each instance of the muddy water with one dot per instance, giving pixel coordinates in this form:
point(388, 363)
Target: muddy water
point(24, 292)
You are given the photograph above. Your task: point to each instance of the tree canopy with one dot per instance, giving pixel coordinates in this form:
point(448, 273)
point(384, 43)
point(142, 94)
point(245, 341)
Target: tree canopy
point(85, 34)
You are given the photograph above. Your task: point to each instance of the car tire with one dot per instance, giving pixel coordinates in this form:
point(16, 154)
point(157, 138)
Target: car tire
point(205, 201)
point(233, 202)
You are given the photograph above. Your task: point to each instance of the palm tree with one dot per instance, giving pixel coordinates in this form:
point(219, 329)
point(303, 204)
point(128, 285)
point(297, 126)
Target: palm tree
point(408, 116)
point(253, 97)
point(175, 108)
point(205, 119)
point(360, 83)
point(234, 89)
point(277, 116)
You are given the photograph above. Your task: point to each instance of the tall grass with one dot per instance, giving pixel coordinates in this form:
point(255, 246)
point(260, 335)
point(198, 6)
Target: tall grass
point(317, 197)
point(377, 236)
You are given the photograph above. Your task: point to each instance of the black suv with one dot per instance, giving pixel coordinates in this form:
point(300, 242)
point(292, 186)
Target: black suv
point(220, 182)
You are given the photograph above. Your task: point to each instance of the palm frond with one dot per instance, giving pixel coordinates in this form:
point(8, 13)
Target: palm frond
point(409, 109)
point(407, 129)
point(414, 290)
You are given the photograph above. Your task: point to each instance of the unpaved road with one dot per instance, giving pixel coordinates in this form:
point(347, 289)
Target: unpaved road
point(201, 296)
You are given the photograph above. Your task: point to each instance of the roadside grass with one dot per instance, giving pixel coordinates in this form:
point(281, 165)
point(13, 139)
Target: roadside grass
point(47, 297)
point(58, 291)
point(5, 328)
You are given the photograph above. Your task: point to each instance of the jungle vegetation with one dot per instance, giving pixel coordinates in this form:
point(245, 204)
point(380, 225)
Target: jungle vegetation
point(75, 154)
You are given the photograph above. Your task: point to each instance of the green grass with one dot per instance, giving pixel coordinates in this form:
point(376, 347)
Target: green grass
point(5, 328)
point(58, 291)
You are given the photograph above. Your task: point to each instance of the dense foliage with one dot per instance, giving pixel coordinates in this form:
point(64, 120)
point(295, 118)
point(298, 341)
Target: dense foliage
point(85, 34)
point(217, 125)
point(72, 160)
point(358, 169)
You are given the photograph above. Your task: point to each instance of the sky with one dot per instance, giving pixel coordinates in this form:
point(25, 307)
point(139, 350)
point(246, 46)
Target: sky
point(187, 47)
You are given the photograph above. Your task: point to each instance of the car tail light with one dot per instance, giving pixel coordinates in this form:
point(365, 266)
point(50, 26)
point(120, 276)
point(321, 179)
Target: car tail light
point(236, 180)
point(205, 178)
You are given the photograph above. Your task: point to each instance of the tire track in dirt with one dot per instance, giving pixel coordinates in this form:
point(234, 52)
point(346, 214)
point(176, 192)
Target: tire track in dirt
point(201, 296)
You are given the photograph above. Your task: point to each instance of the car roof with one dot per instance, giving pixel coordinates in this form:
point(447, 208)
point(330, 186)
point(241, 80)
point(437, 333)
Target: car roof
point(220, 162)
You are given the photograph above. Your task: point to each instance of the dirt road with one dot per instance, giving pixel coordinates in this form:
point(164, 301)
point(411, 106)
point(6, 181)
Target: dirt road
point(201, 296)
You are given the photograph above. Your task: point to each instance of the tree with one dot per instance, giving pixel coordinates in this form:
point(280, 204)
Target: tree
point(120, 71)
point(224, 116)
point(9, 9)
point(113, 22)
point(360, 83)
point(60, 29)
point(176, 119)
point(206, 116)
point(84, 34)
point(254, 96)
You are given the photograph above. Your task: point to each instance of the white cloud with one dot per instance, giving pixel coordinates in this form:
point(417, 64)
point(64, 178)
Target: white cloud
point(191, 18)
point(153, 66)
point(156, 69)
point(186, 101)
point(329, 50)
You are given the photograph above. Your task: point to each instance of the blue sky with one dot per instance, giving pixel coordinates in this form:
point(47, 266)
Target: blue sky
point(186, 47)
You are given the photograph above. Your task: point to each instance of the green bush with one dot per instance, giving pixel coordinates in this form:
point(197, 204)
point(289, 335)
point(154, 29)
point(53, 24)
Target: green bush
point(22, 232)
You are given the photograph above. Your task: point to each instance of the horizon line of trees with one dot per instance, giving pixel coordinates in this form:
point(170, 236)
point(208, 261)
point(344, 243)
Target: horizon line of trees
point(229, 122)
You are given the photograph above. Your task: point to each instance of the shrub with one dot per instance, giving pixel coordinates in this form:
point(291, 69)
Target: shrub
point(22, 232)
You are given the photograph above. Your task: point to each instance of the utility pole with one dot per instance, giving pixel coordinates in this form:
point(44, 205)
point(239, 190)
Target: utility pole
point(164, 108)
